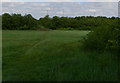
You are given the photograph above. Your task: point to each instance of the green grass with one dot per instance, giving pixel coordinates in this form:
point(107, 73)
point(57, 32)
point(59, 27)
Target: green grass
point(53, 56)
point(0, 55)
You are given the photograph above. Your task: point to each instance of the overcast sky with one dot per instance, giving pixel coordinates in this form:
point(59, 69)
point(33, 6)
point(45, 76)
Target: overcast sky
point(60, 0)
point(70, 8)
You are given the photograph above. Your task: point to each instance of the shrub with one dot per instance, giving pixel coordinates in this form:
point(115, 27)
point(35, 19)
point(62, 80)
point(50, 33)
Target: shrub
point(42, 28)
point(25, 27)
point(104, 38)
point(69, 28)
point(85, 28)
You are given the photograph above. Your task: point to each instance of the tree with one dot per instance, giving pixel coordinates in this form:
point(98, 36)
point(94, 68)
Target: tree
point(6, 21)
point(29, 21)
point(46, 21)
point(17, 21)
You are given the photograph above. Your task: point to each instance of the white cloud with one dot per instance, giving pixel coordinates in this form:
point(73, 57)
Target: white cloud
point(59, 12)
point(70, 9)
point(5, 0)
point(39, 5)
point(59, 0)
point(100, 0)
point(21, 3)
point(92, 10)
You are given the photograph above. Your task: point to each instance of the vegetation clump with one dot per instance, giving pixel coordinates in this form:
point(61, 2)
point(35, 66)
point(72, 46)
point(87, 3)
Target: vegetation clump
point(104, 38)
point(28, 22)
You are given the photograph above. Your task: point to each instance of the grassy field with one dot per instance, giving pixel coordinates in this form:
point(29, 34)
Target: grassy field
point(53, 56)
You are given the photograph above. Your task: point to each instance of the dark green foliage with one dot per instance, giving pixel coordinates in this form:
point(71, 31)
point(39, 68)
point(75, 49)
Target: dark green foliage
point(69, 28)
point(77, 23)
point(46, 21)
point(18, 22)
point(0, 22)
point(104, 38)
point(55, 23)
point(6, 21)
point(27, 22)
point(30, 22)
point(115, 36)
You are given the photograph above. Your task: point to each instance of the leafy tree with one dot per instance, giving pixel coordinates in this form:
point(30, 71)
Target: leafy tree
point(46, 21)
point(56, 22)
point(0, 22)
point(17, 21)
point(6, 21)
point(30, 22)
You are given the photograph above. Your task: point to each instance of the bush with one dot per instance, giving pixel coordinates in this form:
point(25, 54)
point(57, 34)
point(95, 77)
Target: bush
point(25, 27)
point(85, 28)
point(42, 28)
point(104, 38)
point(69, 28)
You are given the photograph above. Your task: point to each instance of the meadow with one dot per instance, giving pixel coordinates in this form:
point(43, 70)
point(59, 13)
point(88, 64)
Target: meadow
point(54, 56)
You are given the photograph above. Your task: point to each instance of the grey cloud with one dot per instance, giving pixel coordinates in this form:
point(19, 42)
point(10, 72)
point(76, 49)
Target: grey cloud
point(39, 9)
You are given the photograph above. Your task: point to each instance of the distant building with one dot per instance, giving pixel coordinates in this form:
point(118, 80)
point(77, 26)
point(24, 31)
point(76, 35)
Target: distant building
point(119, 9)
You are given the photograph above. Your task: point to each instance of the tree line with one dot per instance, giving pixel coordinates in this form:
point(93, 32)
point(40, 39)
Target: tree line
point(28, 22)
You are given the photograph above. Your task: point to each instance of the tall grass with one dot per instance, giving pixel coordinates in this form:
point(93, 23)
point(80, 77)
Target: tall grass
point(53, 56)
